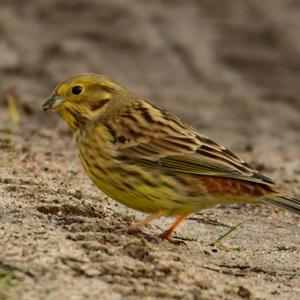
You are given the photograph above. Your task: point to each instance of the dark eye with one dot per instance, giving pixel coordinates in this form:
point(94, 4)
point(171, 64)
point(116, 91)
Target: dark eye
point(76, 90)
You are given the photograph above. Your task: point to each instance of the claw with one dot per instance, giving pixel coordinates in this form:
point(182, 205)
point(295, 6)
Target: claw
point(172, 240)
point(166, 235)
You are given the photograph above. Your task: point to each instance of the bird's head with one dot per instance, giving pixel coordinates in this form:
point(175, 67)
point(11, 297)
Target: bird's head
point(84, 98)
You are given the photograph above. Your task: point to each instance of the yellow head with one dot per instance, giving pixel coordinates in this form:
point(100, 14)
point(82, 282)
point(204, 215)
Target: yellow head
point(84, 98)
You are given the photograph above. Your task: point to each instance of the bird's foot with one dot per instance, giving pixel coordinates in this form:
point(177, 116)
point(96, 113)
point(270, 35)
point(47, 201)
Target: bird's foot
point(167, 236)
point(138, 232)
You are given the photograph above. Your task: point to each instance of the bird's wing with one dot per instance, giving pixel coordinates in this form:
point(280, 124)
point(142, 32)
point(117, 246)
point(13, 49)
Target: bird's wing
point(151, 137)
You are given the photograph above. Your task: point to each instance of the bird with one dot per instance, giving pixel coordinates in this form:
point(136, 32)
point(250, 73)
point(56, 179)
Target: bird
point(150, 160)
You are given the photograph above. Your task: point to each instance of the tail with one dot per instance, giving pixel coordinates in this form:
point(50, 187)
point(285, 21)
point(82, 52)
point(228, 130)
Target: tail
point(289, 203)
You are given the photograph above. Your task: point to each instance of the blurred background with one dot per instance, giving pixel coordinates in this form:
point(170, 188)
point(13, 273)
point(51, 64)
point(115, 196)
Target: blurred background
point(230, 68)
point(231, 65)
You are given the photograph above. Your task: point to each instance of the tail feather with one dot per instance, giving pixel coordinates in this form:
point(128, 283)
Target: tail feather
point(286, 202)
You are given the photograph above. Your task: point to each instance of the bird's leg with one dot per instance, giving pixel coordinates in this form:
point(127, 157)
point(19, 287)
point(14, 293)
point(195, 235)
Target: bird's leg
point(135, 228)
point(167, 233)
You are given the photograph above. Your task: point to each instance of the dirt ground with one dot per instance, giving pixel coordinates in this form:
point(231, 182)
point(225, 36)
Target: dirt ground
point(230, 68)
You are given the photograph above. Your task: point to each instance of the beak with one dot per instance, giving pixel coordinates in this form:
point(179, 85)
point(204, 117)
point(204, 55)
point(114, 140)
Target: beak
point(52, 102)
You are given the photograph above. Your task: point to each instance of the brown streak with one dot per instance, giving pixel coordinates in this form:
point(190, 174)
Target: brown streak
point(97, 105)
point(224, 159)
point(111, 131)
point(225, 186)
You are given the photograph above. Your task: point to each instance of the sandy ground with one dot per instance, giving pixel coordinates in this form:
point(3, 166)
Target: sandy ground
point(232, 70)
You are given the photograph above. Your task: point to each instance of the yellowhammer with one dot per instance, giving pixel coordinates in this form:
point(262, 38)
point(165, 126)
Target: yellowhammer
point(148, 159)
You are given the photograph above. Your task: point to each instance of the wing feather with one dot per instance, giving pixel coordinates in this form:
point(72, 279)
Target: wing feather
point(157, 139)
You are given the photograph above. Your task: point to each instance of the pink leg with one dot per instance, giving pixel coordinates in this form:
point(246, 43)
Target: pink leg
point(138, 226)
point(167, 234)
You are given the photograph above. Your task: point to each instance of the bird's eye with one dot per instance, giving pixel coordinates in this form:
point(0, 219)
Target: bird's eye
point(76, 90)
